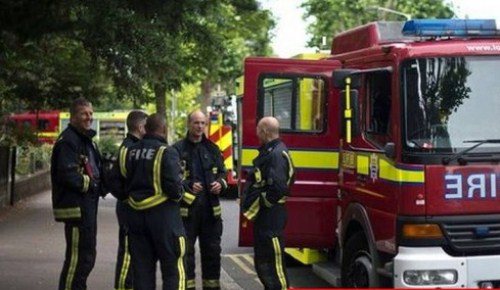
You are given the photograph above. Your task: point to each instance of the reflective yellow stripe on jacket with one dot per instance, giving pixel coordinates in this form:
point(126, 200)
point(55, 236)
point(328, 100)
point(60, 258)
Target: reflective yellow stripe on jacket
point(251, 213)
point(67, 213)
point(290, 166)
point(123, 161)
point(188, 198)
point(158, 196)
point(86, 183)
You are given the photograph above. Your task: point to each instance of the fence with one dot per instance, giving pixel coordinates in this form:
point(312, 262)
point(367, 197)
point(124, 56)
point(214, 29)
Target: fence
point(7, 175)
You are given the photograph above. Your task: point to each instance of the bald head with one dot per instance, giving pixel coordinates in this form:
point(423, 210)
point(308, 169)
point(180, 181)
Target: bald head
point(195, 114)
point(197, 122)
point(156, 125)
point(268, 129)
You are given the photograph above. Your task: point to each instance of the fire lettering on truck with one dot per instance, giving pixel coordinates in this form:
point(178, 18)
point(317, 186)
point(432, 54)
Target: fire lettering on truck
point(458, 186)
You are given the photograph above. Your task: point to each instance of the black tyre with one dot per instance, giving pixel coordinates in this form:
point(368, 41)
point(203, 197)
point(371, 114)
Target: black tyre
point(358, 270)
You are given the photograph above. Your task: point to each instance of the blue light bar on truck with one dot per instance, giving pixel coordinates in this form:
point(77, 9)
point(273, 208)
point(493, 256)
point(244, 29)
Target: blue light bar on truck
point(450, 27)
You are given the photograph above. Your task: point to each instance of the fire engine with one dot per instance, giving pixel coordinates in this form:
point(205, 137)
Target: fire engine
point(45, 124)
point(107, 124)
point(222, 120)
point(396, 151)
point(49, 124)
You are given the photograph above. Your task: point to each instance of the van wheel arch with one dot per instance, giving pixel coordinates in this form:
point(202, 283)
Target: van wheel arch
point(358, 249)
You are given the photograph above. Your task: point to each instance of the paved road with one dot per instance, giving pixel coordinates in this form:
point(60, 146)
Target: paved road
point(32, 249)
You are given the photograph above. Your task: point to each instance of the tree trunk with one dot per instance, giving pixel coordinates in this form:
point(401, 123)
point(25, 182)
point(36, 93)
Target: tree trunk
point(161, 104)
point(206, 93)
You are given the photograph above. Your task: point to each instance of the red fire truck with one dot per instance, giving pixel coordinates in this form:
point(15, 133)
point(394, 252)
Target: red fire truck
point(45, 124)
point(220, 131)
point(396, 151)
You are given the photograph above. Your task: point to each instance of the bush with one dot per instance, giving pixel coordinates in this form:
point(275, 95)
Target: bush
point(108, 146)
point(30, 158)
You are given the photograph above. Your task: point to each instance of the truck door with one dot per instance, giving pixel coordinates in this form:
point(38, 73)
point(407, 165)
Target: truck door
point(300, 95)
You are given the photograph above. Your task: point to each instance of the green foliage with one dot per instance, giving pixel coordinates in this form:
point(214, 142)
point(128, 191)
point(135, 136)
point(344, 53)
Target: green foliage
point(331, 17)
point(30, 159)
point(37, 82)
point(14, 135)
point(186, 100)
point(122, 54)
point(108, 146)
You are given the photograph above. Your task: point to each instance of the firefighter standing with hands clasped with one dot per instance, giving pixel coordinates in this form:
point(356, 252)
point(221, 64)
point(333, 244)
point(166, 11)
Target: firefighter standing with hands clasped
point(152, 178)
point(204, 180)
point(264, 202)
point(76, 186)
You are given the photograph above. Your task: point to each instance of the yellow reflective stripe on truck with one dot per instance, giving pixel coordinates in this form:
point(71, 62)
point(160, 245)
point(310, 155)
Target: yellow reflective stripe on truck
point(387, 170)
point(313, 159)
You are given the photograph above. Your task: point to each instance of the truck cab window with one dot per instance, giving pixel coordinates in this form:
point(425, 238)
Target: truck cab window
point(378, 106)
point(43, 124)
point(297, 102)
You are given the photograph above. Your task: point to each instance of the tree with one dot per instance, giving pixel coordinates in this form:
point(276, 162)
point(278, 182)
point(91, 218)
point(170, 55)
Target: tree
point(331, 17)
point(160, 45)
point(48, 73)
point(122, 52)
point(245, 31)
point(43, 65)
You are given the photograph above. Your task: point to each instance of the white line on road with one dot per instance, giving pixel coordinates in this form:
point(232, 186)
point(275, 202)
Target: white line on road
point(237, 259)
point(249, 259)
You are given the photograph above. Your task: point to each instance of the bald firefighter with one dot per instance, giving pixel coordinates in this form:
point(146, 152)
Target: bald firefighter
point(264, 202)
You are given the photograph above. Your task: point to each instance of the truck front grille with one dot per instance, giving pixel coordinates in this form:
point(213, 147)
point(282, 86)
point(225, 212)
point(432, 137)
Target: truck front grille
point(472, 236)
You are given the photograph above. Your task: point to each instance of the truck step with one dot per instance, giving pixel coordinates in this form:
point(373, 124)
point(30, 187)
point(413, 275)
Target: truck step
point(306, 256)
point(328, 271)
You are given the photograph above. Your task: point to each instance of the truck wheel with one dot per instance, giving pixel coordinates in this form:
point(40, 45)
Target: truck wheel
point(358, 270)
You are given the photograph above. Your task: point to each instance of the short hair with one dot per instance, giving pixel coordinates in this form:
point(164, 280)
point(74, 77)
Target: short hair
point(134, 119)
point(155, 123)
point(78, 102)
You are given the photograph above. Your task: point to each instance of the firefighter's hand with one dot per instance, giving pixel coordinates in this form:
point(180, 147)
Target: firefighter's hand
point(197, 187)
point(215, 187)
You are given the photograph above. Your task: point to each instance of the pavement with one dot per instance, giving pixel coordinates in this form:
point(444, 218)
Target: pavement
point(32, 247)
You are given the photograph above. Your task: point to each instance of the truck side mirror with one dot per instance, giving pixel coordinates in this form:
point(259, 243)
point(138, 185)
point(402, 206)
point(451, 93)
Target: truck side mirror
point(339, 76)
point(349, 107)
point(390, 150)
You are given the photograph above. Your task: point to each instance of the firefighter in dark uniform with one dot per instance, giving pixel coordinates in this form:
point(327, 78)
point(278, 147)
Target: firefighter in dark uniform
point(264, 202)
point(136, 121)
point(201, 211)
point(76, 187)
point(153, 184)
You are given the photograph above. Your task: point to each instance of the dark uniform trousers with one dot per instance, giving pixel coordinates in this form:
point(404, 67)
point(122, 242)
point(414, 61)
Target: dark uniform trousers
point(124, 269)
point(157, 232)
point(268, 247)
point(201, 223)
point(80, 246)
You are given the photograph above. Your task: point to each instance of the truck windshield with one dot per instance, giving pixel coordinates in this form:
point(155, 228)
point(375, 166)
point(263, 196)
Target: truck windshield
point(451, 100)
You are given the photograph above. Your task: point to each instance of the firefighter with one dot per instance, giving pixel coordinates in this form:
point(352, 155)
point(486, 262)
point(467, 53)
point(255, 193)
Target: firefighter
point(76, 186)
point(204, 180)
point(264, 203)
point(153, 183)
point(136, 121)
